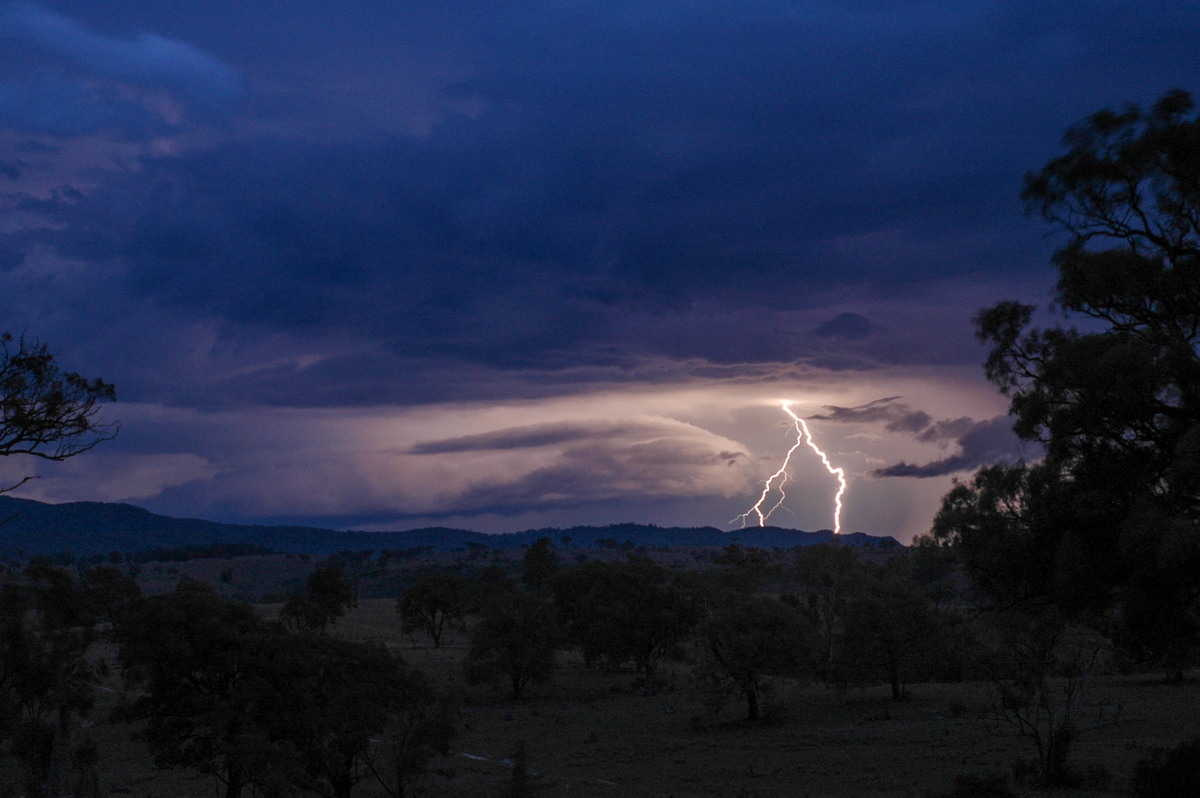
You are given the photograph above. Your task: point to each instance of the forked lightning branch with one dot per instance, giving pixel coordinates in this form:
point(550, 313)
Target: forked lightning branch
point(774, 485)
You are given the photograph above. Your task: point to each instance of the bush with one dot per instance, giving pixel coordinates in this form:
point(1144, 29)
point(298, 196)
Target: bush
point(1174, 771)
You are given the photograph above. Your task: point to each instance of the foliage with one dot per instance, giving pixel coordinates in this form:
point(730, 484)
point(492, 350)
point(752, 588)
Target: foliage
point(329, 698)
point(432, 602)
point(224, 692)
point(516, 640)
point(490, 584)
point(890, 631)
point(1112, 513)
point(935, 568)
point(46, 412)
point(109, 592)
point(746, 641)
point(198, 660)
point(325, 598)
point(46, 683)
point(625, 611)
point(421, 726)
point(745, 568)
point(211, 551)
point(997, 523)
point(827, 576)
point(539, 564)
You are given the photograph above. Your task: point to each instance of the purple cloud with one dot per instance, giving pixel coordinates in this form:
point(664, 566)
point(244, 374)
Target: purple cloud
point(896, 415)
point(983, 443)
point(85, 78)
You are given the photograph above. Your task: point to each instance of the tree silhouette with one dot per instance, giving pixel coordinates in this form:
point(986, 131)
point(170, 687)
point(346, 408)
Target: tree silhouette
point(198, 660)
point(515, 640)
point(625, 611)
point(890, 628)
point(325, 598)
point(1113, 509)
point(329, 699)
point(46, 683)
point(745, 642)
point(432, 602)
point(539, 564)
point(827, 577)
point(422, 725)
point(46, 412)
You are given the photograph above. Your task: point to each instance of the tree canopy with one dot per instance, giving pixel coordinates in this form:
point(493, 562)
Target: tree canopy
point(46, 412)
point(1110, 516)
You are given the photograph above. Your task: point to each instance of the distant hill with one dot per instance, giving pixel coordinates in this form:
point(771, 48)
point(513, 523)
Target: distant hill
point(86, 528)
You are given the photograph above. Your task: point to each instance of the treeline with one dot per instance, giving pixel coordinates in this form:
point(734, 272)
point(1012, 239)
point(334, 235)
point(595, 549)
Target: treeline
point(211, 551)
point(818, 614)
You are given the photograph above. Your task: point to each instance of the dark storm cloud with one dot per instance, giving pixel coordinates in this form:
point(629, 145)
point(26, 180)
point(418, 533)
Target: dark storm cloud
point(59, 77)
point(979, 442)
point(852, 326)
point(594, 471)
point(896, 415)
point(598, 185)
point(521, 438)
point(947, 429)
point(984, 443)
point(240, 211)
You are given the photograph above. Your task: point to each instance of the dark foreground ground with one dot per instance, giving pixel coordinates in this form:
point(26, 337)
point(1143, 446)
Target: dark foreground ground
point(590, 734)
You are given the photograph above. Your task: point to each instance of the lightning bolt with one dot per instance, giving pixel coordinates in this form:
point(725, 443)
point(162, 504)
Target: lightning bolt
point(777, 480)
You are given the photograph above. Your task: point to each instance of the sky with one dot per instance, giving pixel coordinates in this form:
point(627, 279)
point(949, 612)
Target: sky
point(503, 265)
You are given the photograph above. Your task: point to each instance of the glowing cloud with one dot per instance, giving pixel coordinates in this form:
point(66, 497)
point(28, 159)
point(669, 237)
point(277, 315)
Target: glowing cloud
point(777, 480)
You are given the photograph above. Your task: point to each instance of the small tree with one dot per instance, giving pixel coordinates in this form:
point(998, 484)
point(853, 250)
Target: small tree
point(539, 564)
point(1047, 669)
point(890, 629)
point(109, 592)
point(746, 569)
point(421, 726)
point(826, 576)
point(743, 644)
point(197, 660)
point(516, 640)
point(325, 598)
point(625, 611)
point(433, 602)
point(329, 698)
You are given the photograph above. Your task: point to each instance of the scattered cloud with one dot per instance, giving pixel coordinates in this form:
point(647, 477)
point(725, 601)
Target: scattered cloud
point(523, 438)
point(982, 443)
point(896, 415)
point(979, 442)
point(851, 326)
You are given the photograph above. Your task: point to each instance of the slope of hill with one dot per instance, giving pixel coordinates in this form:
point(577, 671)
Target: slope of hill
point(85, 528)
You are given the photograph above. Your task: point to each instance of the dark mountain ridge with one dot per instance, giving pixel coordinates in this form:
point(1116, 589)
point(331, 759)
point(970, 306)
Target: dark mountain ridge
point(85, 528)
